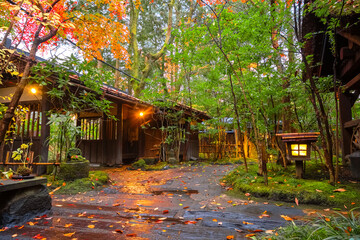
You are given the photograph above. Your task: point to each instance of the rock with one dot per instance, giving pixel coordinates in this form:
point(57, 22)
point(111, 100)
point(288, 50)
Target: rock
point(172, 161)
point(74, 170)
point(22, 205)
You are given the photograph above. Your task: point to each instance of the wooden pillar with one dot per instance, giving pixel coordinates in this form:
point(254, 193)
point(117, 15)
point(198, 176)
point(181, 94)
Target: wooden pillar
point(345, 116)
point(105, 154)
point(119, 140)
point(299, 165)
point(45, 132)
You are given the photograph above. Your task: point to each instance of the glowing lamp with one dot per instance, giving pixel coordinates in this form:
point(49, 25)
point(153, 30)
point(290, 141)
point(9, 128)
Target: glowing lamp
point(33, 90)
point(141, 114)
point(298, 148)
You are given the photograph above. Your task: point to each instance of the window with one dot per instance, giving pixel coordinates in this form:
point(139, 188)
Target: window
point(299, 150)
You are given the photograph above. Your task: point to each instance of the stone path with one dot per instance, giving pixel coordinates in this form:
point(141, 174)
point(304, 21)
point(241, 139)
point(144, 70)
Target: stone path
point(185, 203)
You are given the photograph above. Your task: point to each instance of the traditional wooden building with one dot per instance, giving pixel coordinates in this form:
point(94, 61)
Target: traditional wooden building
point(104, 140)
point(344, 64)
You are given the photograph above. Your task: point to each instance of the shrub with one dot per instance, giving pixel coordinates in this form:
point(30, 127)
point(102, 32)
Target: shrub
point(72, 152)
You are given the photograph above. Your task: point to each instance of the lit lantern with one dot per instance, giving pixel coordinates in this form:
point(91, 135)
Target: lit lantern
point(33, 90)
point(141, 114)
point(298, 148)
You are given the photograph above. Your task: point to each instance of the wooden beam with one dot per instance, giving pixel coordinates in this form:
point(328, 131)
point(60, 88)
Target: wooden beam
point(351, 37)
point(353, 82)
point(119, 139)
point(345, 116)
point(45, 132)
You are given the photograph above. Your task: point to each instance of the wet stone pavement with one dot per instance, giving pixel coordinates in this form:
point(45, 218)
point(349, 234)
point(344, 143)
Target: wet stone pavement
point(184, 203)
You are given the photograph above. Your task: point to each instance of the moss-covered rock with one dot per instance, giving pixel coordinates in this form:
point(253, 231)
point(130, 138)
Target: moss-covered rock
point(139, 164)
point(74, 170)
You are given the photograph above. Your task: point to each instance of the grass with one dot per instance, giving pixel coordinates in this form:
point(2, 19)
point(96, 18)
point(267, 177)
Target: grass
point(95, 181)
point(332, 227)
point(283, 186)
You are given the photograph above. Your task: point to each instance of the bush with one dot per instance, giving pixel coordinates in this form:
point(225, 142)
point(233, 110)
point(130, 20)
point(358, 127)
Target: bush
point(72, 152)
point(338, 227)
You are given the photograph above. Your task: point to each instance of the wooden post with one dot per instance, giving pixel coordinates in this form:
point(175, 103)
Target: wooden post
point(119, 140)
point(345, 116)
point(299, 168)
point(45, 132)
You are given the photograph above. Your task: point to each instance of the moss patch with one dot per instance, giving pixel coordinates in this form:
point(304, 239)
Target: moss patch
point(74, 170)
point(283, 186)
point(95, 181)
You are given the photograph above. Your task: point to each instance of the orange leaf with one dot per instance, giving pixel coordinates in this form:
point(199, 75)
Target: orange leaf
point(68, 225)
point(297, 201)
point(214, 220)
point(69, 234)
point(247, 194)
point(250, 235)
point(64, 184)
point(230, 237)
point(186, 207)
point(131, 235)
point(198, 219)
point(190, 222)
point(256, 230)
point(340, 190)
point(119, 231)
point(91, 226)
point(247, 223)
point(327, 219)
point(116, 204)
point(286, 217)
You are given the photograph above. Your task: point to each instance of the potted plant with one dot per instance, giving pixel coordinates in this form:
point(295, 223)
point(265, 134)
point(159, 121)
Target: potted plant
point(23, 154)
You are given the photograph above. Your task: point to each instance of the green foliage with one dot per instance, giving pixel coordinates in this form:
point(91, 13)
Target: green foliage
point(283, 186)
point(22, 153)
point(326, 227)
point(96, 180)
point(72, 152)
point(23, 171)
point(139, 164)
point(63, 133)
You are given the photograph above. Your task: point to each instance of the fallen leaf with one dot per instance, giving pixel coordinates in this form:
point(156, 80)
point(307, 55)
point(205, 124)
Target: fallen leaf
point(286, 217)
point(247, 194)
point(165, 211)
point(91, 226)
point(64, 184)
point(229, 237)
point(318, 190)
point(256, 231)
point(38, 236)
point(269, 231)
point(68, 225)
point(297, 201)
point(327, 209)
point(116, 204)
point(119, 231)
point(14, 235)
point(238, 230)
point(198, 219)
point(339, 190)
point(190, 222)
point(131, 235)
point(247, 223)
point(353, 203)
point(250, 235)
point(214, 220)
point(327, 219)
point(186, 207)
point(69, 234)
point(31, 223)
